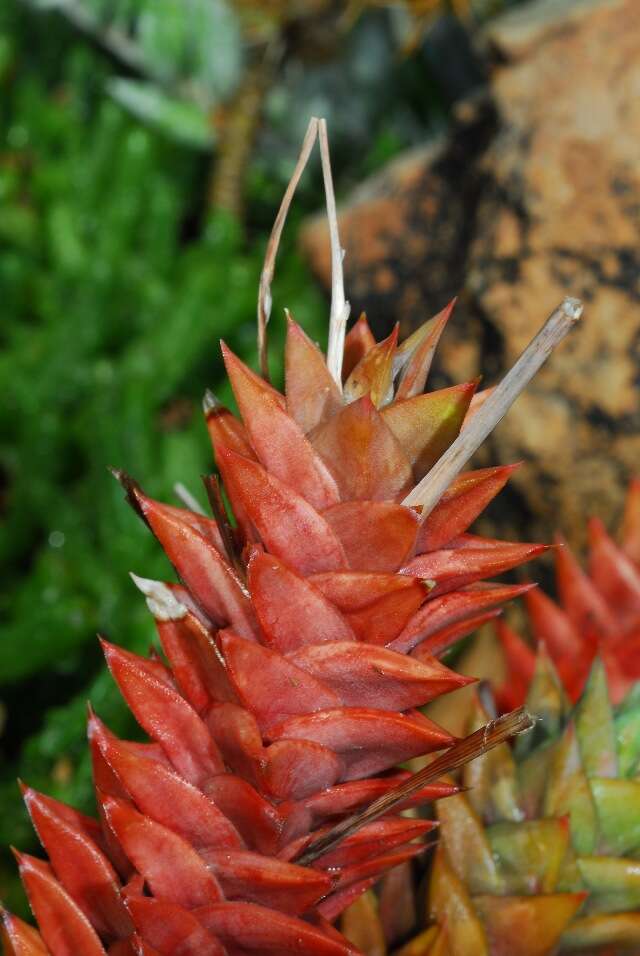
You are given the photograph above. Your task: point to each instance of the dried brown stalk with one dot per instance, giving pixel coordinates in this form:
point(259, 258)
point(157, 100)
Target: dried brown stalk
point(475, 745)
point(266, 277)
point(216, 501)
point(429, 491)
point(132, 491)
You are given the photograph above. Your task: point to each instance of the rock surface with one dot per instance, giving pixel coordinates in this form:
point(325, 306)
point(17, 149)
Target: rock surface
point(534, 195)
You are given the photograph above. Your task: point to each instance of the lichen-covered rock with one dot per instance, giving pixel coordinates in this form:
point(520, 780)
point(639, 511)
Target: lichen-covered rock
point(535, 194)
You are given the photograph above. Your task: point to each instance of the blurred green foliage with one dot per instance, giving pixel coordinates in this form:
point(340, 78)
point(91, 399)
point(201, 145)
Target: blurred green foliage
point(115, 289)
point(186, 57)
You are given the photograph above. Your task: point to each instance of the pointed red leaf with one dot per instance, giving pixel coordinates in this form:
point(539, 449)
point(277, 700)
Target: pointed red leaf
point(291, 611)
point(376, 866)
point(306, 815)
point(355, 590)
point(225, 429)
point(587, 609)
point(172, 930)
point(288, 525)
point(571, 654)
point(80, 866)
point(426, 425)
point(312, 395)
point(381, 622)
point(80, 822)
point(162, 795)
point(258, 382)
point(520, 662)
point(116, 854)
point(614, 574)
point(455, 568)
point(397, 903)
point(316, 920)
point(346, 797)
point(20, 939)
point(195, 662)
point(358, 341)
point(464, 500)
point(165, 716)
point(552, 627)
point(213, 583)
point(237, 735)
point(335, 904)
point(249, 928)
point(622, 665)
point(295, 769)
point(448, 636)
point(376, 536)
point(278, 440)
point(449, 609)
point(271, 882)
point(377, 606)
point(171, 867)
point(258, 821)
point(373, 839)
point(373, 375)
point(107, 781)
point(363, 454)
point(206, 527)
point(368, 740)
point(417, 353)
point(282, 690)
point(65, 929)
point(367, 676)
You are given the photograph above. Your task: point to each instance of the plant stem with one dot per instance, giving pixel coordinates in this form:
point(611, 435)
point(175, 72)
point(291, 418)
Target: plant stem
point(429, 491)
point(266, 277)
point(475, 745)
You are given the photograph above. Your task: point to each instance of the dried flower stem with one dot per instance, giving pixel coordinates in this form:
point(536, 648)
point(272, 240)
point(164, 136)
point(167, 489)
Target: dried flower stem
point(266, 276)
point(132, 491)
point(475, 745)
point(216, 501)
point(429, 491)
point(340, 308)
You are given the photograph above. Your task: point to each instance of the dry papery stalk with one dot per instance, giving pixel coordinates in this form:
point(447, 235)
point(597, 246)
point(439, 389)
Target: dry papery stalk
point(493, 734)
point(429, 491)
point(266, 276)
point(219, 512)
point(339, 306)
